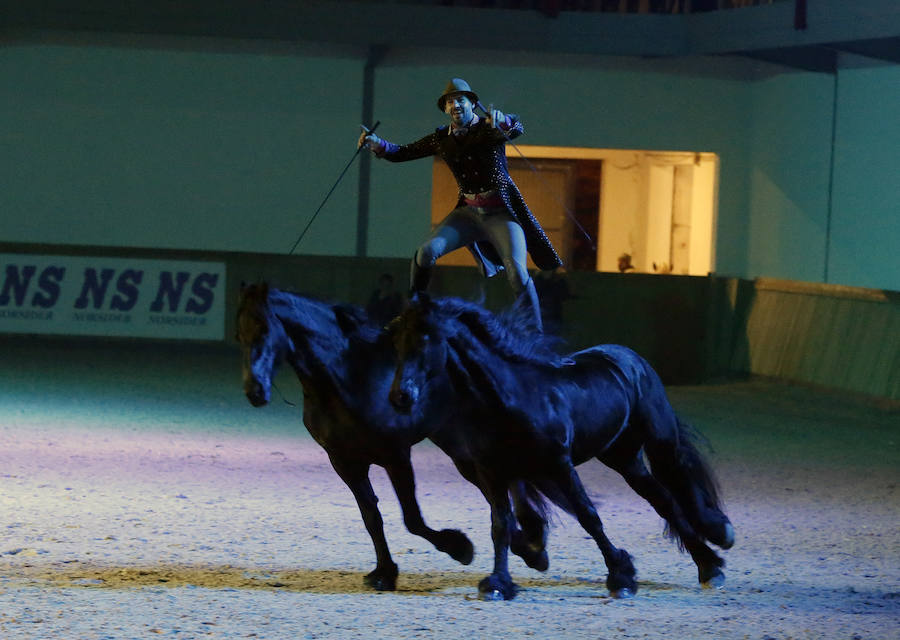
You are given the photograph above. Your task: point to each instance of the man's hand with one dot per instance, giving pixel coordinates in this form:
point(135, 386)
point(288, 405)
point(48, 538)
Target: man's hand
point(496, 117)
point(369, 140)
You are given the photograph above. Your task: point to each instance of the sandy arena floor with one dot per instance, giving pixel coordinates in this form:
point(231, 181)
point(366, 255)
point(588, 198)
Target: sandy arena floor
point(144, 498)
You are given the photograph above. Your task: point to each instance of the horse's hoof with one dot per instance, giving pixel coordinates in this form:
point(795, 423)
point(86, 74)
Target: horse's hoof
point(492, 596)
point(715, 581)
point(457, 545)
point(621, 578)
point(381, 584)
point(622, 594)
point(382, 580)
point(493, 589)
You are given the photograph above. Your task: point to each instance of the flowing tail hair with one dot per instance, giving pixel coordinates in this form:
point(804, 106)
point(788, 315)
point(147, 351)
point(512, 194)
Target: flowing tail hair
point(686, 471)
point(542, 493)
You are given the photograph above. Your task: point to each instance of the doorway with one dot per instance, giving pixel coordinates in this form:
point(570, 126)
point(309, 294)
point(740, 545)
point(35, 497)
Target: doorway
point(611, 209)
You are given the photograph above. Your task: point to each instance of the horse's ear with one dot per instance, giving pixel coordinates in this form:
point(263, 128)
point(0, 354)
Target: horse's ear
point(259, 286)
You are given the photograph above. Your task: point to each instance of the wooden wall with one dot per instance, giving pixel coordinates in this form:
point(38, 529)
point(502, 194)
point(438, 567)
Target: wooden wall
point(828, 335)
point(692, 329)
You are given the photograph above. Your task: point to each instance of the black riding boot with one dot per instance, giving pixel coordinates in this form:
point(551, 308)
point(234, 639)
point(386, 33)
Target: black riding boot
point(528, 298)
point(418, 277)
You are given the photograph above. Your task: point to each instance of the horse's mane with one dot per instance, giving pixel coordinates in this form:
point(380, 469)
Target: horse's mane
point(297, 310)
point(320, 334)
point(509, 334)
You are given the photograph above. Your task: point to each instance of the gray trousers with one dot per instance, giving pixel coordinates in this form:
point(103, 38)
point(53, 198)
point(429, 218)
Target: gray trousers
point(465, 225)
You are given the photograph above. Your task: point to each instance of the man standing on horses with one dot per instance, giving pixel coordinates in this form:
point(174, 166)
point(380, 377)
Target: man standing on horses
point(491, 218)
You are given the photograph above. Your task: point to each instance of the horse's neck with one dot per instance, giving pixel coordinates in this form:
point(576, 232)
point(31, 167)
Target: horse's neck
point(330, 365)
point(316, 339)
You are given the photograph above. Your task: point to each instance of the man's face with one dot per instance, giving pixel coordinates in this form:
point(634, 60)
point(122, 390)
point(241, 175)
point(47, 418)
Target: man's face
point(459, 108)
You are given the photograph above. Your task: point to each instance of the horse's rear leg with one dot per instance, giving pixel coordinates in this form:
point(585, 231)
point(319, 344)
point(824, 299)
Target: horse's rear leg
point(451, 541)
point(621, 580)
point(529, 541)
point(638, 477)
point(356, 476)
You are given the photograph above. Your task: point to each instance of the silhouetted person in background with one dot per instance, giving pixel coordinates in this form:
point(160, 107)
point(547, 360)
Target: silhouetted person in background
point(624, 263)
point(385, 303)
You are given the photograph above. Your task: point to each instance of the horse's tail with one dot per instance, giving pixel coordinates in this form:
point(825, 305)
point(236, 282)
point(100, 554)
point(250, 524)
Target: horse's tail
point(687, 474)
point(689, 443)
point(542, 491)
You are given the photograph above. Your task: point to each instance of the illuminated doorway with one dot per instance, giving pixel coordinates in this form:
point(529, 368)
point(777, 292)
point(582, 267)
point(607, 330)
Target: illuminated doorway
point(611, 209)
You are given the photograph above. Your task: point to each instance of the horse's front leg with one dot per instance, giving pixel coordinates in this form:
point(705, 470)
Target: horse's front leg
point(451, 541)
point(498, 585)
point(356, 476)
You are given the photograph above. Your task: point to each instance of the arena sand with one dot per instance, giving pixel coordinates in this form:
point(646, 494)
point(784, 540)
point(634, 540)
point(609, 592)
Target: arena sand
point(144, 498)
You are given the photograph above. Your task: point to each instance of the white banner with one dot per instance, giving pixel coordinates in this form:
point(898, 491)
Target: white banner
point(112, 297)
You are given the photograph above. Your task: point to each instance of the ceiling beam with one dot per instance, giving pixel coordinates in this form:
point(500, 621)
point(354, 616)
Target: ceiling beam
point(765, 32)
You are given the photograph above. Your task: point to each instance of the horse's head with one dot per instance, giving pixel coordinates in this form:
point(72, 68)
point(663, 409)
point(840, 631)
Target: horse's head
point(263, 342)
point(419, 351)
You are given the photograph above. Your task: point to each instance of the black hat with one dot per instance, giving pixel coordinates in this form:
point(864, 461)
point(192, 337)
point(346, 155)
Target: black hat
point(457, 85)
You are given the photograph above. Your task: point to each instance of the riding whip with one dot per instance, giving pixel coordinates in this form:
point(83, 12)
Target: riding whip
point(336, 182)
point(550, 190)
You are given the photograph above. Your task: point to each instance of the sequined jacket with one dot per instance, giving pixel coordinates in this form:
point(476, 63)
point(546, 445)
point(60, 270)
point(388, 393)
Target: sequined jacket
point(478, 162)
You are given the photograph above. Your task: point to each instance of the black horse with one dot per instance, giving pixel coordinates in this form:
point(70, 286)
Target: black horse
point(535, 415)
point(345, 366)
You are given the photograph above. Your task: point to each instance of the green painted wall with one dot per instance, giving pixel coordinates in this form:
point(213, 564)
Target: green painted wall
point(865, 221)
point(175, 149)
point(789, 176)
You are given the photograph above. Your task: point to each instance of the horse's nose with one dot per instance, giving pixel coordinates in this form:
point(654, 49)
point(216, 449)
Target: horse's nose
point(403, 396)
point(400, 399)
point(255, 393)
